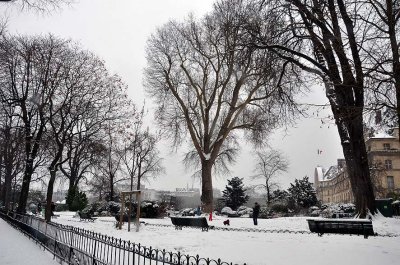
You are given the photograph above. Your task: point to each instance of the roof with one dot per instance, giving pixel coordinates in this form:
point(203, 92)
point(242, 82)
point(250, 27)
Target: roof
point(382, 135)
point(319, 173)
point(332, 172)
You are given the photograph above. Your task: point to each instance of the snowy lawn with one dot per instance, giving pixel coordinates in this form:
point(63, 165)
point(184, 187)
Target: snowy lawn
point(17, 249)
point(259, 247)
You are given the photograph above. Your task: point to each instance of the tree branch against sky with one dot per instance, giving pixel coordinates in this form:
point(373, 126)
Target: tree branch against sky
point(41, 6)
point(382, 54)
point(208, 85)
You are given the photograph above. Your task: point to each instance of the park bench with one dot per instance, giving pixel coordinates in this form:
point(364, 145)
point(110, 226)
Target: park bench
point(201, 222)
point(341, 226)
point(85, 216)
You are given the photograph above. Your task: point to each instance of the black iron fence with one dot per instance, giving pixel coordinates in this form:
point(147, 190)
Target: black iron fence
point(73, 245)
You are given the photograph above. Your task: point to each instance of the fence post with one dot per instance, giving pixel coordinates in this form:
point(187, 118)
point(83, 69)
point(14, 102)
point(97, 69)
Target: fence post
point(70, 247)
point(94, 252)
point(55, 244)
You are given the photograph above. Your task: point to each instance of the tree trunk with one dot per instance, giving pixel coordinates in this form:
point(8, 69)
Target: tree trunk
point(139, 176)
point(268, 192)
point(7, 184)
point(391, 22)
point(23, 198)
point(2, 192)
point(352, 138)
point(206, 186)
point(49, 196)
point(111, 187)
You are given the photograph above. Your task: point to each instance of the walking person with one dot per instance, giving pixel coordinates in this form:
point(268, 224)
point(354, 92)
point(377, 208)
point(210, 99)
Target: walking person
point(256, 212)
point(39, 208)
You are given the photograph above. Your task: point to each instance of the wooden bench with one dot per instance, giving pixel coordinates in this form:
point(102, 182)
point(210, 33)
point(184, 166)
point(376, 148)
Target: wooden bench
point(86, 217)
point(179, 222)
point(341, 226)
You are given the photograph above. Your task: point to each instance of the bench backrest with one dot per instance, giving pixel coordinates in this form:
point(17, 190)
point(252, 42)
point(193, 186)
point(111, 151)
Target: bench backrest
point(341, 226)
point(124, 218)
point(188, 221)
point(83, 215)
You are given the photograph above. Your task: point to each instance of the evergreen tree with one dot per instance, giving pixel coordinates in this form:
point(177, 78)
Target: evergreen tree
point(234, 193)
point(76, 200)
point(280, 196)
point(303, 193)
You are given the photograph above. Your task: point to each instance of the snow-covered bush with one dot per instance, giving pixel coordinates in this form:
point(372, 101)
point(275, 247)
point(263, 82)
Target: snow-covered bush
point(328, 210)
point(114, 207)
point(149, 209)
point(279, 207)
point(227, 211)
point(187, 212)
point(242, 210)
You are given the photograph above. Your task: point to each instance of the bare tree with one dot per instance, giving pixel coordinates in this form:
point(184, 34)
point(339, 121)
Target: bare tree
point(325, 41)
point(139, 152)
point(39, 5)
point(209, 86)
point(382, 53)
point(269, 166)
point(11, 149)
point(29, 70)
point(105, 96)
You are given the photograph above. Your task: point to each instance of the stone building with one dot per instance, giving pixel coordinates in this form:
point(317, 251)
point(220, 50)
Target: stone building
point(333, 185)
point(384, 159)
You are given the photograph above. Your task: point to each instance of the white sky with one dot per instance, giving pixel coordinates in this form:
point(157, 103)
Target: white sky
point(117, 31)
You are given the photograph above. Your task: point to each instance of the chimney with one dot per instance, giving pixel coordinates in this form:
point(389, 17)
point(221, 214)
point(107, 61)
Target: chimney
point(341, 163)
point(378, 117)
point(396, 132)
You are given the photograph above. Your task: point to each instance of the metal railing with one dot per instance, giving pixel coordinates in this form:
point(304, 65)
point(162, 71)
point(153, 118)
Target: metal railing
point(78, 246)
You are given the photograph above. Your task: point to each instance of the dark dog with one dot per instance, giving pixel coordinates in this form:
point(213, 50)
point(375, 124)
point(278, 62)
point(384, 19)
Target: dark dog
point(226, 222)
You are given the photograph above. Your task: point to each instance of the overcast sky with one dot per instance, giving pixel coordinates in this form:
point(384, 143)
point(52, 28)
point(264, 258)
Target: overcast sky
point(117, 32)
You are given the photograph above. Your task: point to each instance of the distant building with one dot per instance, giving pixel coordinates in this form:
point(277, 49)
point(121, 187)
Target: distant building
point(333, 185)
point(384, 159)
point(190, 192)
point(59, 195)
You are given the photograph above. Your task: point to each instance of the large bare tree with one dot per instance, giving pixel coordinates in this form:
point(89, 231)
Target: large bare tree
point(209, 86)
point(325, 41)
point(11, 149)
point(29, 70)
point(83, 90)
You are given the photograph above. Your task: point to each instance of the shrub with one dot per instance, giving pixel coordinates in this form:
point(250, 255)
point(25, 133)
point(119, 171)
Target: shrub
point(279, 207)
point(149, 210)
point(113, 207)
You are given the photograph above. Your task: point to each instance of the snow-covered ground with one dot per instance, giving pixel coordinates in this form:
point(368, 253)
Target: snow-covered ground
point(17, 249)
point(258, 247)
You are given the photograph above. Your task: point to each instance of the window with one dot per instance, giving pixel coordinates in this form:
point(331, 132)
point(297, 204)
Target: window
point(390, 182)
point(386, 146)
point(388, 164)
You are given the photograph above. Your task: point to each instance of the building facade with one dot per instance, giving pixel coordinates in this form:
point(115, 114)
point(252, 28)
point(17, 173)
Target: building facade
point(333, 185)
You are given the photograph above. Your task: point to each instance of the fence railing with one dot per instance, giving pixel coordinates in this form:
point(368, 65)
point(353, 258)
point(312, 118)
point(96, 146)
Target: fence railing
point(78, 246)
